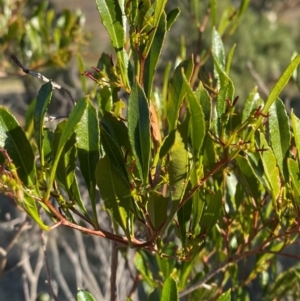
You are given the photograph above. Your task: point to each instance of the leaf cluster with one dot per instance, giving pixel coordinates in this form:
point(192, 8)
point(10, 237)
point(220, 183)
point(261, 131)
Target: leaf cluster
point(182, 172)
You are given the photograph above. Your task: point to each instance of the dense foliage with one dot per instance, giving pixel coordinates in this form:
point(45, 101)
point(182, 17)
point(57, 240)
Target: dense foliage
point(194, 184)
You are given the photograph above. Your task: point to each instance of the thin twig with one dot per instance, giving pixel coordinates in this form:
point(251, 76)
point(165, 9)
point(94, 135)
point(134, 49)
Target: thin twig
point(260, 83)
point(58, 273)
point(43, 242)
point(41, 77)
point(113, 270)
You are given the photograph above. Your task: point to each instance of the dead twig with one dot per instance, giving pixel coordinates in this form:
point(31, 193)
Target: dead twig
point(41, 77)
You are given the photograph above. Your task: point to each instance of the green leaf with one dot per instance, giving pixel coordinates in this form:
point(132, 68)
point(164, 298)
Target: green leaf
point(271, 171)
point(83, 295)
point(115, 192)
point(226, 88)
point(252, 103)
point(66, 166)
point(139, 130)
point(247, 177)
point(172, 16)
point(177, 92)
point(113, 151)
point(169, 290)
point(157, 207)
point(280, 135)
point(42, 102)
point(229, 59)
point(81, 69)
point(15, 142)
point(212, 212)
point(197, 122)
point(281, 83)
point(159, 6)
point(293, 168)
point(205, 102)
point(112, 18)
point(225, 296)
point(28, 203)
point(213, 9)
point(67, 132)
point(88, 146)
point(296, 130)
point(154, 53)
point(178, 169)
point(242, 9)
point(218, 51)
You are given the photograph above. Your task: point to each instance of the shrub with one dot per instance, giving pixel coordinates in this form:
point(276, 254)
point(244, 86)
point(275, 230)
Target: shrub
point(196, 186)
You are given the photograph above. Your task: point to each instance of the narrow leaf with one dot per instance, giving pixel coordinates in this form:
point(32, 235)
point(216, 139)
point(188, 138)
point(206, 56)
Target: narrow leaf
point(172, 16)
point(296, 130)
point(159, 7)
point(169, 290)
point(218, 51)
point(88, 146)
point(67, 132)
point(212, 212)
point(280, 135)
point(15, 142)
point(157, 208)
point(154, 54)
point(115, 192)
point(271, 170)
point(112, 18)
point(139, 130)
point(42, 102)
point(177, 92)
point(225, 296)
point(197, 122)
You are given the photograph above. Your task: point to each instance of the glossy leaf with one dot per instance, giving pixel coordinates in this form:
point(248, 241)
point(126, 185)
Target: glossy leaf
point(271, 170)
point(65, 172)
point(154, 54)
point(172, 17)
point(229, 59)
point(197, 121)
point(83, 295)
point(139, 130)
point(29, 204)
point(178, 169)
point(142, 264)
point(247, 176)
point(112, 18)
point(177, 92)
point(113, 151)
point(159, 7)
point(169, 290)
point(157, 208)
point(296, 131)
point(225, 296)
point(218, 51)
point(15, 142)
point(252, 103)
point(280, 135)
point(293, 168)
point(67, 132)
point(42, 102)
point(88, 147)
point(226, 88)
point(280, 84)
point(212, 212)
point(213, 8)
point(115, 192)
point(205, 103)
